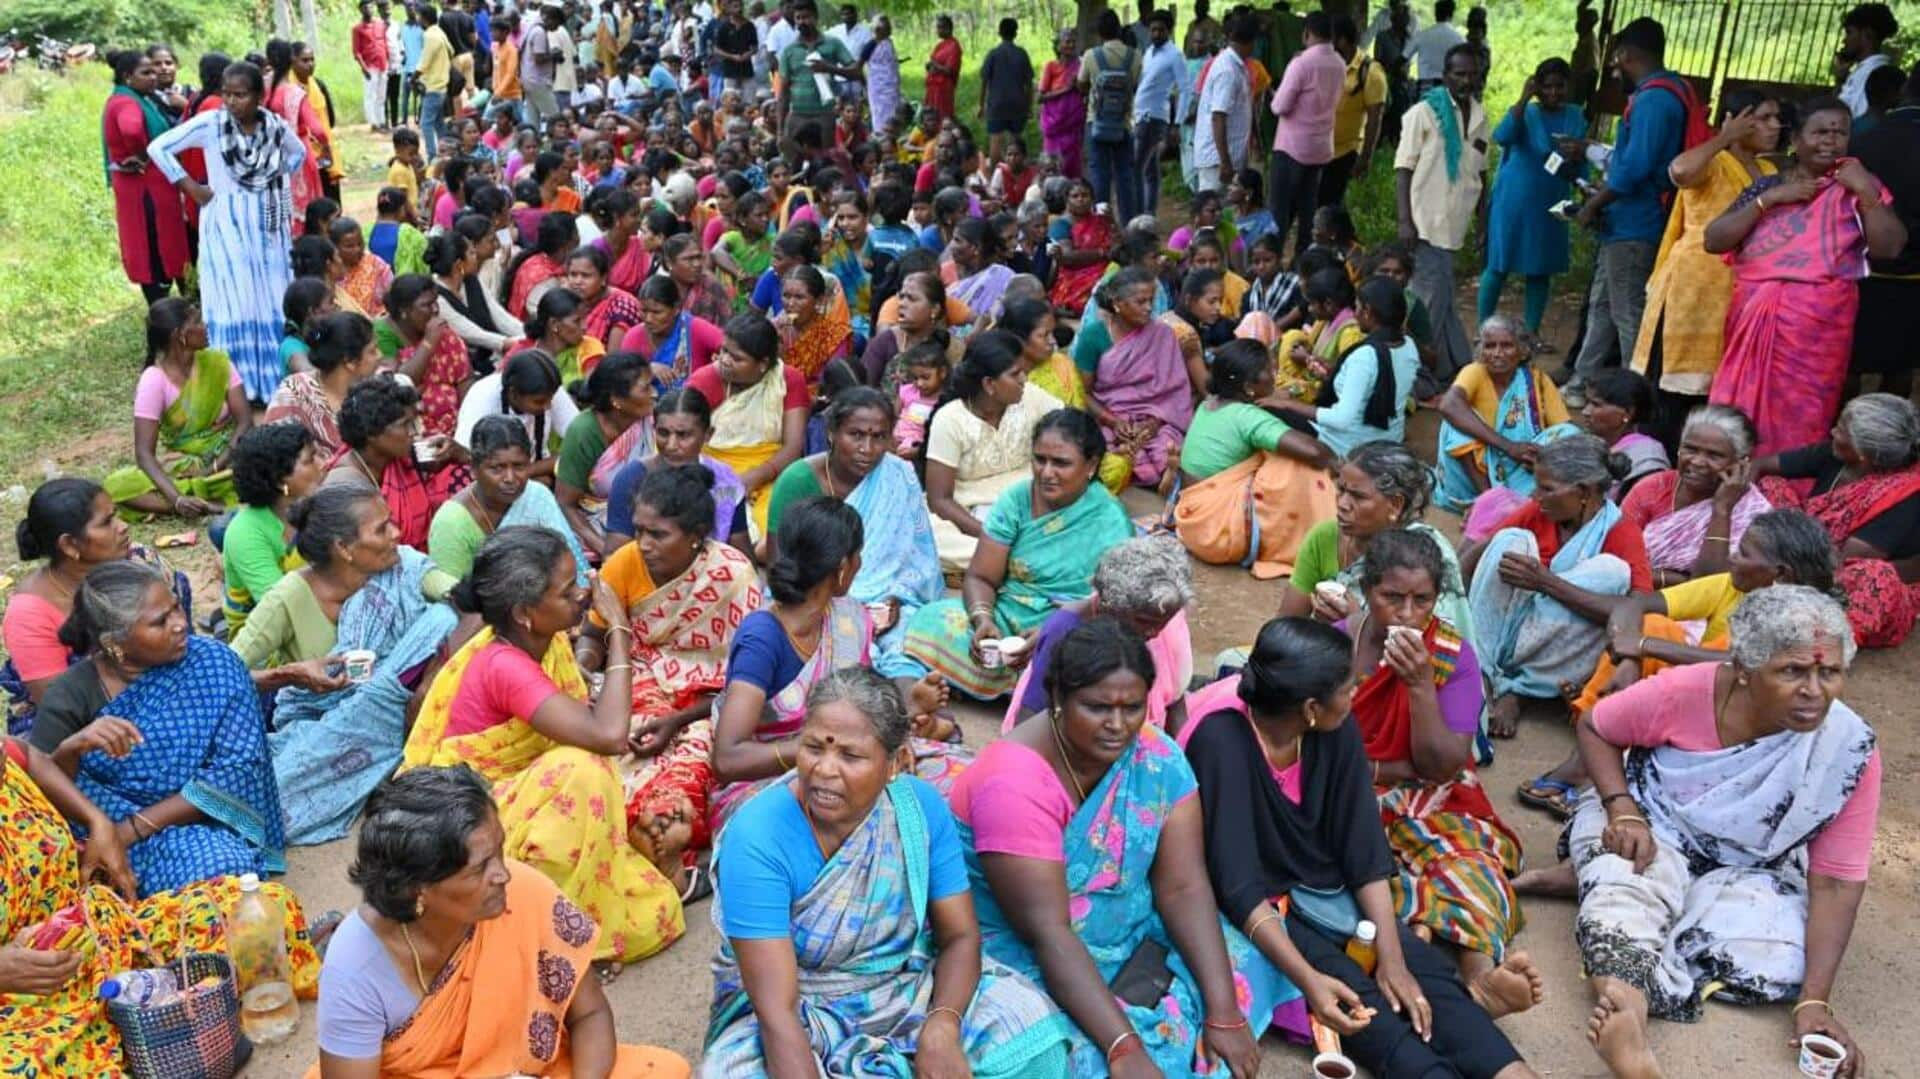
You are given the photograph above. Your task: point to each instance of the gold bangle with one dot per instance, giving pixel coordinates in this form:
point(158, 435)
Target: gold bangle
point(1810, 1003)
point(1715, 539)
point(779, 758)
point(612, 667)
point(1115, 1044)
point(1269, 915)
point(1634, 817)
point(152, 828)
point(931, 1012)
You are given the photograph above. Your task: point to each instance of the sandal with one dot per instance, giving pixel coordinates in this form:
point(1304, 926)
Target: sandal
point(699, 885)
point(320, 931)
point(1556, 797)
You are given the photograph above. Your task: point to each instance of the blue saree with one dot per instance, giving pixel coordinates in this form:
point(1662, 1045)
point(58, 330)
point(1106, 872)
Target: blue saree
point(865, 951)
point(1110, 846)
point(1531, 645)
point(899, 560)
point(202, 739)
point(331, 749)
point(1521, 415)
point(537, 506)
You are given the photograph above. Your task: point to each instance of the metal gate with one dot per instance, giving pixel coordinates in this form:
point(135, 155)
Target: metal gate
point(1785, 46)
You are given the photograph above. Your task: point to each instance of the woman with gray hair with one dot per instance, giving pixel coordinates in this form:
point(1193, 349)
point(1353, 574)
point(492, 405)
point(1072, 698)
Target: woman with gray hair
point(1731, 846)
point(1866, 494)
point(1694, 513)
point(851, 941)
point(1146, 583)
point(1494, 418)
point(1542, 581)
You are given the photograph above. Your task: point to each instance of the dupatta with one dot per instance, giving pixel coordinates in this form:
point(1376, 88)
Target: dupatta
point(682, 629)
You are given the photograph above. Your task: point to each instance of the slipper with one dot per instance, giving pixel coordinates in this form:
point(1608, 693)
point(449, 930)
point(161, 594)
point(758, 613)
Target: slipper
point(1556, 797)
point(699, 885)
point(320, 931)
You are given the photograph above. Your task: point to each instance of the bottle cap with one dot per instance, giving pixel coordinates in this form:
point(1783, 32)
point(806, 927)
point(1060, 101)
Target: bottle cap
point(249, 882)
point(109, 989)
point(1365, 930)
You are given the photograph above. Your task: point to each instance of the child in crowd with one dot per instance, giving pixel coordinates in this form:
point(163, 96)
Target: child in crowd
point(925, 368)
point(1247, 208)
point(1206, 252)
point(1333, 234)
point(746, 251)
point(1308, 357)
point(407, 169)
point(1207, 206)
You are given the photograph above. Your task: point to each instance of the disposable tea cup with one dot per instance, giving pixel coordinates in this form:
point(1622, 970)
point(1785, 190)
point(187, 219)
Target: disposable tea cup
point(1821, 1056)
point(359, 664)
point(1333, 1066)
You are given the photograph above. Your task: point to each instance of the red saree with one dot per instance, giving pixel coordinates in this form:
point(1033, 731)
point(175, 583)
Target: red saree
point(412, 495)
point(1073, 285)
point(1881, 607)
point(613, 314)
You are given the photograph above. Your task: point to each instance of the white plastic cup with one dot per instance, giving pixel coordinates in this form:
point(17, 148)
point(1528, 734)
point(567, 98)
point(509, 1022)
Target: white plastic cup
point(359, 664)
point(882, 615)
point(1333, 1066)
point(990, 657)
point(1330, 592)
point(423, 450)
point(1821, 1056)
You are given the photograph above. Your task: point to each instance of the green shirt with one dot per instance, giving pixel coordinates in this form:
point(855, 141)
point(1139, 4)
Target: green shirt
point(453, 538)
point(1225, 436)
point(803, 92)
point(580, 450)
point(1319, 557)
point(251, 556)
point(796, 483)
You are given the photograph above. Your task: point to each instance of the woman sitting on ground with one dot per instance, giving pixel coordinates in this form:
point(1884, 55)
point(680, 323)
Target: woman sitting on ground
point(979, 276)
point(812, 628)
point(55, 1021)
point(980, 441)
point(555, 327)
point(500, 495)
point(1367, 398)
point(1141, 391)
point(377, 422)
point(1308, 357)
point(1866, 494)
point(512, 704)
point(606, 311)
point(1146, 583)
point(814, 324)
point(918, 308)
point(538, 270)
point(1693, 515)
point(1051, 371)
point(1197, 324)
point(1494, 418)
point(420, 345)
point(188, 407)
point(682, 423)
point(1235, 446)
point(1619, 404)
point(851, 941)
point(274, 466)
point(617, 398)
point(527, 389)
point(467, 306)
point(686, 594)
point(1297, 857)
point(364, 276)
point(702, 293)
point(760, 409)
point(676, 341)
point(1541, 583)
point(460, 960)
point(1038, 548)
point(1084, 848)
point(899, 566)
point(1704, 870)
point(343, 353)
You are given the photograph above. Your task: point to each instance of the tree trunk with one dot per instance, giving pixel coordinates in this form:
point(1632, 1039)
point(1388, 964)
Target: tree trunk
point(282, 19)
point(311, 25)
point(1086, 19)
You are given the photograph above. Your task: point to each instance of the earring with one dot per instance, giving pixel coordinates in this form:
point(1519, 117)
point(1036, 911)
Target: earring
point(284, 491)
point(419, 906)
point(1311, 724)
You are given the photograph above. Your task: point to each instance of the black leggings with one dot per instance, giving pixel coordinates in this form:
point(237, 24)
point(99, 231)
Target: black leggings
point(1466, 1044)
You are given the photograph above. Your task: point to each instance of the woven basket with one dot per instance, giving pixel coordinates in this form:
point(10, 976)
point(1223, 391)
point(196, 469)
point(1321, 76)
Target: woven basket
point(195, 1037)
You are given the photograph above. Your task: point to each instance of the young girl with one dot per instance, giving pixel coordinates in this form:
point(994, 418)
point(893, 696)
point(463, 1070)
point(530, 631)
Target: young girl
point(321, 213)
point(393, 236)
point(1207, 252)
point(1308, 357)
point(1197, 324)
point(1205, 215)
point(924, 368)
point(1333, 233)
point(307, 300)
point(1273, 296)
point(745, 251)
point(1365, 398)
point(1251, 218)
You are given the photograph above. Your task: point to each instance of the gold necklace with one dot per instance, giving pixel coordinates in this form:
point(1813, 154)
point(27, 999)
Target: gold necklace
point(482, 510)
point(368, 472)
point(1066, 761)
point(419, 972)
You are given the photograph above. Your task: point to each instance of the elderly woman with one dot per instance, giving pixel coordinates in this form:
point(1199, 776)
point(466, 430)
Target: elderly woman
point(1693, 515)
point(899, 566)
point(459, 959)
point(1298, 858)
point(1038, 549)
point(1084, 846)
point(980, 441)
point(1146, 584)
point(1540, 583)
point(1866, 494)
point(274, 466)
point(343, 352)
point(1797, 243)
point(50, 1006)
point(1494, 418)
point(512, 703)
point(1140, 391)
point(500, 495)
point(377, 422)
point(188, 407)
point(686, 594)
point(851, 942)
point(1732, 845)
point(760, 409)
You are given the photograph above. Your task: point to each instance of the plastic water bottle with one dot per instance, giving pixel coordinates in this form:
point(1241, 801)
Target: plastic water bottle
point(1360, 945)
point(257, 945)
point(143, 988)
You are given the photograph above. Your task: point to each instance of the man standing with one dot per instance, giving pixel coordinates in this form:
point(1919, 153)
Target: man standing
point(370, 52)
point(806, 69)
point(1439, 187)
point(396, 52)
point(566, 61)
point(1864, 31)
point(1223, 133)
point(538, 60)
point(1204, 33)
point(943, 68)
point(1628, 211)
point(778, 35)
point(1383, 18)
point(1006, 99)
point(1304, 102)
point(1431, 45)
point(1109, 74)
point(508, 95)
point(413, 38)
point(1163, 70)
point(436, 68)
point(1357, 118)
point(855, 35)
point(734, 43)
point(1889, 321)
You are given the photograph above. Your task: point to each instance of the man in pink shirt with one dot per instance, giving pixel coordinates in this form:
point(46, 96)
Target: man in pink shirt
point(1304, 101)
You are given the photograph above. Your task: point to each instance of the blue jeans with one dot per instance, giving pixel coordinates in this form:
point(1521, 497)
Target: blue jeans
point(409, 98)
point(1110, 170)
point(1149, 139)
point(431, 104)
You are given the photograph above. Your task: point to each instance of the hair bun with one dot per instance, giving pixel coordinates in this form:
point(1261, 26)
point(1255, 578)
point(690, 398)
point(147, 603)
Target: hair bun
point(29, 546)
point(1619, 466)
point(464, 596)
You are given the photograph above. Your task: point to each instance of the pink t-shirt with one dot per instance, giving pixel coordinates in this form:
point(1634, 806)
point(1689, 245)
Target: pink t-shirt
point(1224, 696)
point(501, 683)
point(1675, 708)
point(445, 209)
point(31, 629)
point(155, 393)
point(1012, 799)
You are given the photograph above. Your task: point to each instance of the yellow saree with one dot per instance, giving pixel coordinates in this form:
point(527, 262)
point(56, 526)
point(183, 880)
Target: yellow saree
point(747, 427)
point(195, 434)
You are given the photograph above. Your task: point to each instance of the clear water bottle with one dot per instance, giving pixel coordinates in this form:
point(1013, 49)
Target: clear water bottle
point(143, 988)
point(257, 945)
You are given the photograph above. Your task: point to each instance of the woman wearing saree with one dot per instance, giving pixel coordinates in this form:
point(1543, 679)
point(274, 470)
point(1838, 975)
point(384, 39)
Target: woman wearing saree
point(682, 423)
point(850, 938)
point(1620, 406)
point(980, 279)
point(275, 465)
point(618, 397)
point(189, 404)
point(1693, 515)
point(343, 352)
point(512, 704)
point(918, 306)
point(365, 276)
point(148, 212)
point(1084, 848)
point(1297, 857)
point(1051, 371)
point(1063, 106)
point(844, 255)
point(1729, 852)
point(539, 269)
point(812, 628)
point(673, 339)
point(1797, 243)
point(1540, 583)
point(1038, 548)
point(760, 410)
point(1085, 239)
point(556, 328)
point(1494, 418)
point(616, 210)
point(377, 422)
point(702, 294)
point(501, 495)
point(420, 345)
point(52, 1020)
point(814, 324)
point(1866, 494)
point(1141, 392)
point(607, 311)
point(461, 960)
point(899, 563)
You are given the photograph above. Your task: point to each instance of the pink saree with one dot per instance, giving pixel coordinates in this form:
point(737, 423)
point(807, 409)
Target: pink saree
point(1144, 376)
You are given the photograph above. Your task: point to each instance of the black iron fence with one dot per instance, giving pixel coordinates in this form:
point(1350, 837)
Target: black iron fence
point(1786, 45)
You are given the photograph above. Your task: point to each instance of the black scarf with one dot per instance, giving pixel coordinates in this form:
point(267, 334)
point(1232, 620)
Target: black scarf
point(257, 164)
point(1385, 396)
point(473, 307)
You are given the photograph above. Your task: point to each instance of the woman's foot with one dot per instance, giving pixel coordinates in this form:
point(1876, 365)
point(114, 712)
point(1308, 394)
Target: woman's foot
point(1503, 716)
point(1513, 986)
point(607, 970)
point(1618, 1030)
point(1554, 882)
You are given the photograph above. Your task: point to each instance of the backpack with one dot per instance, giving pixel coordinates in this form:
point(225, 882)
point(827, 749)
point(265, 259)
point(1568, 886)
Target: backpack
point(1692, 134)
point(1112, 97)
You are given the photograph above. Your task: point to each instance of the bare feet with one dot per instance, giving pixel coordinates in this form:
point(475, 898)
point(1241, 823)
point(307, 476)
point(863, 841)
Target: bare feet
point(1503, 716)
point(1513, 986)
point(1554, 882)
point(1618, 1030)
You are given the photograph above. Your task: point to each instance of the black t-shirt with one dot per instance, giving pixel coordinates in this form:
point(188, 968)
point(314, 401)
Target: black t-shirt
point(70, 703)
point(740, 39)
point(1894, 533)
point(1891, 151)
point(1008, 75)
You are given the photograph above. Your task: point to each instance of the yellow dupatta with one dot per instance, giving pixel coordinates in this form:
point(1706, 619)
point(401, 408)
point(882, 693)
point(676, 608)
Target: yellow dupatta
point(194, 433)
point(747, 430)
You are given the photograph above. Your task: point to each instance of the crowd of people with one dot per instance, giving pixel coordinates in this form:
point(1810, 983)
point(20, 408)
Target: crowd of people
point(613, 521)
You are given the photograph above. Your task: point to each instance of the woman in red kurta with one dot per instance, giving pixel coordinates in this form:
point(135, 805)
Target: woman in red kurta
point(146, 208)
point(290, 102)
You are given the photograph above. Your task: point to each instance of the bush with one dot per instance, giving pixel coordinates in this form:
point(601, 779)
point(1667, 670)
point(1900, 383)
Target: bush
point(123, 22)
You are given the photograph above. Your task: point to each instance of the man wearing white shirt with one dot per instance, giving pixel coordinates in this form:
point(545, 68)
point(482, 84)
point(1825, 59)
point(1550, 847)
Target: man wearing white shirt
point(779, 34)
point(856, 36)
point(1383, 19)
point(1223, 131)
point(1863, 31)
point(1430, 46)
